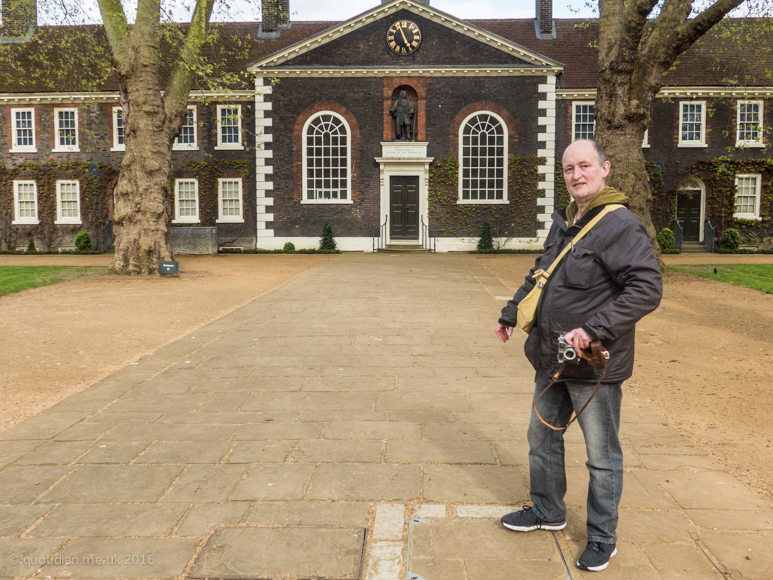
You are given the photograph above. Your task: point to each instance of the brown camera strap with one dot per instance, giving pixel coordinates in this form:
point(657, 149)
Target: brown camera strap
point(596, 358)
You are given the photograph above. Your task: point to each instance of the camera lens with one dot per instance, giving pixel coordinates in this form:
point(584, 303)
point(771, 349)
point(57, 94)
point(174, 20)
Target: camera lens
point(570, 353)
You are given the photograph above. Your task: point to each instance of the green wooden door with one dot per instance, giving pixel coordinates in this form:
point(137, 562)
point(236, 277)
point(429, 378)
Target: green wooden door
point(688, 214)
point(404, 208)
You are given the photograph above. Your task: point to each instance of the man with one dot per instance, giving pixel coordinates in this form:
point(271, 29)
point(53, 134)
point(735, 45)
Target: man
point(403, 111)
point(603, 286)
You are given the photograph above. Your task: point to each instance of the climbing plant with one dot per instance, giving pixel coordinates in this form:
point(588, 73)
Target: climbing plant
point(517, 218)
point(207, 173)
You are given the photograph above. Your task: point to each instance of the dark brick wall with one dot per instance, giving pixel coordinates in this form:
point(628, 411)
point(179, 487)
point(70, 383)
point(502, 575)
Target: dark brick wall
point(440, 46)
point(447, 99)
point(95, 133)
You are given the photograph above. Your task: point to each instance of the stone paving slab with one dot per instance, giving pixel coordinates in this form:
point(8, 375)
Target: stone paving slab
point(359, 393)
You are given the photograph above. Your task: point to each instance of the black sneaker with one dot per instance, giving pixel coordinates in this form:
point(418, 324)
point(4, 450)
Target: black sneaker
point(596, 556)
point(527, 520)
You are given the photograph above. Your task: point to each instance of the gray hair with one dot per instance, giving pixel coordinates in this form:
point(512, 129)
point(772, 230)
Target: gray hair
point(601, 155)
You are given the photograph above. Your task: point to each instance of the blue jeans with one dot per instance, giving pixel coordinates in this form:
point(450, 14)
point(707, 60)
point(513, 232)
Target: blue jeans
point(600, 423)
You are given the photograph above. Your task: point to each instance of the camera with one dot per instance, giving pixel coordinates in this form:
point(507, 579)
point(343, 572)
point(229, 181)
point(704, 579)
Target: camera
point(566, 352)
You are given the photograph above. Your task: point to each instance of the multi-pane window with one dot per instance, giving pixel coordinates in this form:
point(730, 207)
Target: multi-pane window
point(118, 130)
point(187, 137)
point(229, 126)
point(749, 124)
point(66, 129)
point(68, 210)
point(326, 159)
point(25, 197)
point(186, 194)
point(230, 194)
point(23, 121)
point(483, 155)
point(583, 120)
point(747, 197)
point(692, 124)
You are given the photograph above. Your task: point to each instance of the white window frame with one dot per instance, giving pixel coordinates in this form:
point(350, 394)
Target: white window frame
point(743, 142)
point(177, 146)
point(757, 194)
point(305, 189)
point(24, 220)
point(60, 219)
point(229, 219)
point(58, 147)
point(505, 167)
point(178, 219)
point(575, 104)
point(702, 142)
point(15, 147)
point(645, 142)
point(220, 144)
point(116, 145)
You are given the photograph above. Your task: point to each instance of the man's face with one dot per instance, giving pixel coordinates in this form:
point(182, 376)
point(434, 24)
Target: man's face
point(583, 174)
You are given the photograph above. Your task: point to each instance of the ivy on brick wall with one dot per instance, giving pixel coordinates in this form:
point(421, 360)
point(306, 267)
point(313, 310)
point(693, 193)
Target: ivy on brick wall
point(515, 219)
point(718, 177)
point(208, 173)
point(96, 184)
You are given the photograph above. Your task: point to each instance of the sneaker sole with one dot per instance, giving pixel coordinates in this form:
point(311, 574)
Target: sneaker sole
point(532, 528)
point(598, 568)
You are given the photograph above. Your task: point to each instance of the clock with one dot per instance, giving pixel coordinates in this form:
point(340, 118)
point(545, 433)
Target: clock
point(403, 37)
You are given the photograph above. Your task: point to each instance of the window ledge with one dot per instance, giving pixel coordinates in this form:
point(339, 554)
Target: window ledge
point(229, 221)
point(196, 221)
point(185, 148)
point(327, 201)
point(68, 223)
point(693, 145)
point(747, 216)
point(66, 150)
point(482, 201)
point(645, 146)
point(231, 147)
point(750, 145)
point(33, 150)
point(121, 148)
point(25, 223)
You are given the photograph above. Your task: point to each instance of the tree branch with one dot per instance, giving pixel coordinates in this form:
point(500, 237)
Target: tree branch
point(116, 28)
point(692, 30)
point(178, 87)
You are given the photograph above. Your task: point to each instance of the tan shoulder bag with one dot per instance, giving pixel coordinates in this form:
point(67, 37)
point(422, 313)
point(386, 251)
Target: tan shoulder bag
point(527, 308)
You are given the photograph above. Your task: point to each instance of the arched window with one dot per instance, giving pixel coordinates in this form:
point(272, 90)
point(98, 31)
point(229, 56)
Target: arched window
point(326, 159)
point(482, 158)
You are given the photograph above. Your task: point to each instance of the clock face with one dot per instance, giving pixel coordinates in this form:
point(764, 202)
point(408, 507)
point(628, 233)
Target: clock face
point(403, 37)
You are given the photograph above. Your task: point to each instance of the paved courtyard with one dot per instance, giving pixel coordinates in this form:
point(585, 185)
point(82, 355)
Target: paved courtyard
point(360, 421)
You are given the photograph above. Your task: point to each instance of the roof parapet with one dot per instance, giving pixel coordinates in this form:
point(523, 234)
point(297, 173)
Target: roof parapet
point(20, 17)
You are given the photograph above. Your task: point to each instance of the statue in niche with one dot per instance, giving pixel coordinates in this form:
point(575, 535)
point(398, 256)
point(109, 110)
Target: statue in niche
point(404, 114)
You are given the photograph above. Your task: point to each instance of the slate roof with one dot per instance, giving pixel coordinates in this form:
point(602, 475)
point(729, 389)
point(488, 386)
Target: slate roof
point(62, 59)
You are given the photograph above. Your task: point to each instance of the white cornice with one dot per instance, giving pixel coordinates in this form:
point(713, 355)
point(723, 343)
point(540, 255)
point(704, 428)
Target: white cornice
point(679, 92)
point(478, 71)
point(106, 97)
point(384, 10)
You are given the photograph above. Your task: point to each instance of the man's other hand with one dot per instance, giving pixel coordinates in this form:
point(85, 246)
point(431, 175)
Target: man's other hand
point(578, 338)
point(504, 332)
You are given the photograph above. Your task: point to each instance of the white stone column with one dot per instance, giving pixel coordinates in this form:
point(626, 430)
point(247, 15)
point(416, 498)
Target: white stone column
point(546, 123)
point(264, 168)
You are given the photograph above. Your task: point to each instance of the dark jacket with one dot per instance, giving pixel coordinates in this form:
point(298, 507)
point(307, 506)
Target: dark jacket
point(606, 284)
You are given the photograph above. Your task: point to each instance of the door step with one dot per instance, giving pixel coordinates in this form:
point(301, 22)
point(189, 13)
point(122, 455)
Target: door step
point(694, 247)
point(404, 249)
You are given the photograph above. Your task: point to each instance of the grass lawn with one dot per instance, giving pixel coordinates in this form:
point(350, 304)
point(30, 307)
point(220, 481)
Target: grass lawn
point(18, 278)
point(757, 276)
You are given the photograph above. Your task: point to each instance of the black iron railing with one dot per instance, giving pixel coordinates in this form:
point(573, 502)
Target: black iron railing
point(378, 232)
point(709, 235)
point(428, 239)
point(678, 235)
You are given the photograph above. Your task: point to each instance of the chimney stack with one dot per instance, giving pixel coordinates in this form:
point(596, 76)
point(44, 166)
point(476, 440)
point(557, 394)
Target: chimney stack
point(275, 18)
point(545, 28)
point(19, 20)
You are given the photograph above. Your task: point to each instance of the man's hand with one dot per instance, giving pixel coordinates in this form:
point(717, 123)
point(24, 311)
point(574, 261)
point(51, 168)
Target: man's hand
point(504, 332)
point(578, 338)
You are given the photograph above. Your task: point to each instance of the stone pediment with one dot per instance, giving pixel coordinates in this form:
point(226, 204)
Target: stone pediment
point(447, 44)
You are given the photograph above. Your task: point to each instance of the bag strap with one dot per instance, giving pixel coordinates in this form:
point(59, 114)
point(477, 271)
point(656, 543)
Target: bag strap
point(607, 209)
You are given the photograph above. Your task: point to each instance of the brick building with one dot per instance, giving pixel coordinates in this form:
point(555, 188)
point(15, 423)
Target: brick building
point(309, 137)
